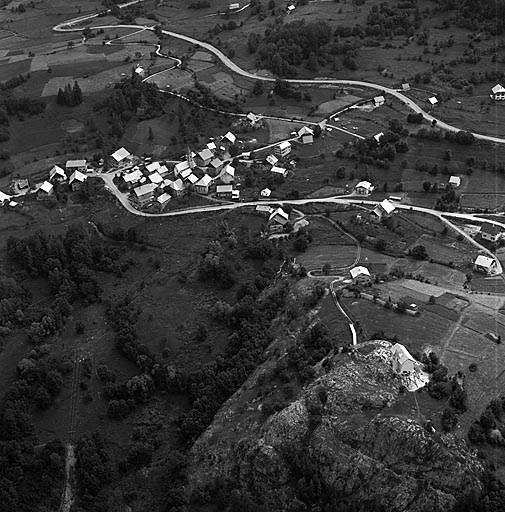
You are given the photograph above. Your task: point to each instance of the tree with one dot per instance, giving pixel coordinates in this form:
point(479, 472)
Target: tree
point(427, 186)
point(419, 252)
point(43, 399)
point(151, 134)
point(76, 94)
point(380, 244)
point(449, 419)
point(312, 63)
point(326, 269)
point(54, 382)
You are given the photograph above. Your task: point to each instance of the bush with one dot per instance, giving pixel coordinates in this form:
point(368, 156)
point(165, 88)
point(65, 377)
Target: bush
point(43, 399)
point(449, 419)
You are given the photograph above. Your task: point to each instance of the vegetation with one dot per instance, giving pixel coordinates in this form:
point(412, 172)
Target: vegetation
point(69, 96)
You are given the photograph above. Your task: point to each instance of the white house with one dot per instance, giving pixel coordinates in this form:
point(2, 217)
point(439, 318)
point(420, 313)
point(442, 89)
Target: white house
point(57, 174)
point(360, 275)
point(252, 118)
point(145, 193)
point(234, 6)
point(379, 100)
point(153, 167)
point(229, 138)
point(364, 188)
point(272, 159)
point(403, 362)
point(235, 195)
point(378, 136)
point(306, 135)
point(279, 171)
point(163, 170)
point(227, 175)
point(121, 155)
point(46, 189)
point(77, 180)
point(76, 165)
point(224, 191)
point(291, 8)
point(490, 232)
point(216, 165)
point(132, 177)
point(191, 179)
point(163, 200)
point(203, 184)
point(263, 208)
point(266, 192)
point(277, 220)
point(382, 211)
point(405, 87)
point(204, 157)
point(181, 166)
point(454, 181)
point(498, 92)
point(283, 149)
point(4, 198)
point(155, 178)
point(211, 145)
point(484, 264)
point(432, 101)
point(178, 188)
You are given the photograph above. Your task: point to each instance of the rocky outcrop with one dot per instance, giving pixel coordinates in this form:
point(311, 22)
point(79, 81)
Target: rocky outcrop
point(338, 439)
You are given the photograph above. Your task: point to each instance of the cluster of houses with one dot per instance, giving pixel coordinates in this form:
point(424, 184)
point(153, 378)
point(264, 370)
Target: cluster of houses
point(74, 175)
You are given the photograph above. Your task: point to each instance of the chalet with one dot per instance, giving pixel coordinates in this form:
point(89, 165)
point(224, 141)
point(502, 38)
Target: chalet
point(379, 100)
point(227, 175)
point(403, 362)
point(163, 200)
point(360, 275)
point(216, 165)
point(181, 166)
point(45, 190)
point(178, 188)
point(139, 70)
point(132, 177)
point(76, 165)
point(364, 188)
point(279, 171)
point(283, 149)
point(224, 191)
point(382, 211)
point(211, 145)
point(203, 184)
point(277, 220)
point(454, 181)
point(433, 101)
point(204, 157)
point(228, 138)
point(272, 159)
point(77, 180)
point(378, 136)
point(155, 178)
point(121, 156)
point(484, 264)
point(145, 193)
point(153, 167)
point(57, 174)
point(266, 192)
point(490, 232)
point(306, 135)
point(498, 92)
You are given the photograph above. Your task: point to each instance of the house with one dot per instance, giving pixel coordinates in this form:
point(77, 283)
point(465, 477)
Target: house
point(216, 165)
point(234, 6)
point(360, 275)
point(178, 188)
point(291, 8)
point(382, 211)
point(181, 166)
point(145, 193)
point(490, 232)
point(203, 184)
point(272, 159)
point(228, 138)
point(139, 70)
point(155, 178)
point(379, 100)
point(263, 208)
point(185, 174)
point(163, 170)
point(227, 175)
point(306, 135)
point(163, 200)
point(121, 156)
point(45, 190)
point(378, 136)
point(498, 92)
point(364, 188)
point(76, 165)
point(191, 179)
point(484, 264)
point(132, 177)
point(204, 157)
point(252, 118)
point(224, 191)
point(283, 149)
point(153, 167)
point(235, 195)
point(454, 181)
point(279, 171)
point(403, 362)
point(266, 192)
point(4, 198)
point(432, 101)
point(211, 145)
point(77, 180)
point(57, 174)
point(277, 220)
point(405, 87)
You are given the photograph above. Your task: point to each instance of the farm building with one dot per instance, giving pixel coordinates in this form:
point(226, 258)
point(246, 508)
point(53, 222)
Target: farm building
point(272, 159)
point(306, 135)
point(498, 92)
point(490, 232)
point(76, 165)
point(277, 220)
point(252, 118)
point(403, 362)
point(364, 188)
point(216, 165)
point(204, 157)
point(484, 264)
point(121, 156)
point(178, 188)
point(360, 275)
point(266, 192)
point(45, 190)
point(163, 200)
point(224, 191)
point(405, 87)
point(432, 101)
point(132, 177)
point(283, 149)
point(77, 180)
point(379, 100)
point(203, 184)
point(279, 171)
point(454, 181)
point(378, 136)
point(181, 166)
point(227, 175)
point(382, 211)
point(57, 174)
point(145, 193)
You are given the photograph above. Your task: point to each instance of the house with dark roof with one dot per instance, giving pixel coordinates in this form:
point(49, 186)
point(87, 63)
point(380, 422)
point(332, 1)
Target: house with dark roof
point(490, 232)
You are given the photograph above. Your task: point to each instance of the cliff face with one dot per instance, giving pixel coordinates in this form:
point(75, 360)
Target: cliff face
point(338, 442)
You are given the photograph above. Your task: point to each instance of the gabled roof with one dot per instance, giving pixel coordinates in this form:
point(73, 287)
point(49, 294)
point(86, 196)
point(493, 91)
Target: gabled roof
point(143, 190)
point(164, 198)
point(305, 130)
point(484, 261)
point(163, 170)
point(184, 174)
point(265, 192)
point(364, 184)
point(379, 99)
point(181, 166)
point(75, 163)
point(77, 176)
point(230, 137)
point(229, 169)
point(401, 354)
point(279, 215)
point(284, 145)
point(211, 146)
point(272, 159)
point(120, 154)
point(46, 187)
point(132, 177)
point(387, 206)
point(178, 185)
point(155, 177)
point(278, 170)
point(455, 180)
point(57, 171)
point(490, 229)
point(4, 197)
point(153, 167)
point(205, 154)
point(433, 100)
point(192, 179)
point(216, 163)
point(252, 117)
point(359, 271)
point(497, 89)
point(204, 181)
